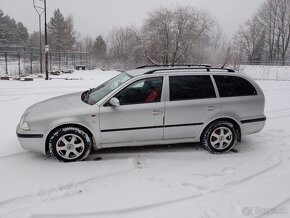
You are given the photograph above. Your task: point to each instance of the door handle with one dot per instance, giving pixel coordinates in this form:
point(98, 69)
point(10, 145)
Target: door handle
point(211, 108)
point(157, 112)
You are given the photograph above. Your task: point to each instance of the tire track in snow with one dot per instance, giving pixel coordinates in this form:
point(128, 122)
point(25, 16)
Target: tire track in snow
point(279, 117)
point(16, 155)
point(11, 99)
point(123, 212)
point(278, 110)
point(120, 212)
point(276, 207)
point(13, 205)
point(30, 200)
point(255, 174)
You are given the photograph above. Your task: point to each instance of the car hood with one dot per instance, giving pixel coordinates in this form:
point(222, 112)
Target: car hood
point(61, 105)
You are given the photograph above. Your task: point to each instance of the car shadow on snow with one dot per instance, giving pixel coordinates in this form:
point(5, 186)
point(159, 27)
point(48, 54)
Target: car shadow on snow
point(152, 150)
point(172, 151)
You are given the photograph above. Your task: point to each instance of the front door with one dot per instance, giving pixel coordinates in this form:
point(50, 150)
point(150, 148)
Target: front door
point(139, 118)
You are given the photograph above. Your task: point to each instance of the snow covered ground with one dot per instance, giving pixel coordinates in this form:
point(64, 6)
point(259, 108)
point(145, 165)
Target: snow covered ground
point(158, 181)
point(266, 72)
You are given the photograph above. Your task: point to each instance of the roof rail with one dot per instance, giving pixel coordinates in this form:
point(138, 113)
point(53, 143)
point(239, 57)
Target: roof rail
point(208, 69)
point(175, 65)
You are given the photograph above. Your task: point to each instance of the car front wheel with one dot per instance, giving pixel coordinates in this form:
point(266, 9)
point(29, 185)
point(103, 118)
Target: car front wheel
point(219, 137)
point(68, 144)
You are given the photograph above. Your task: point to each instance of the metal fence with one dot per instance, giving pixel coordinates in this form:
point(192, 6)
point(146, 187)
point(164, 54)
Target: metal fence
point(266, 63)
point(27, 61)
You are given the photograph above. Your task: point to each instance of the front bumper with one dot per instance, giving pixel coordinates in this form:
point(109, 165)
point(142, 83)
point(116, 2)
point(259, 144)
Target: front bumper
point(31, 140)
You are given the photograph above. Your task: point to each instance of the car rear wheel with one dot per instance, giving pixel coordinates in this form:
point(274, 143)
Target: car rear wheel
point(68, 144)
point(219, 137)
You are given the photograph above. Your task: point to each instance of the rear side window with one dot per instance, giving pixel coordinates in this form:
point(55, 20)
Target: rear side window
point(190, 87)
point(231, 86)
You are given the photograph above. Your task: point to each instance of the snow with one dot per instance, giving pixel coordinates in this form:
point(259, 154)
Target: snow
point(266, 72)
point(156, 181)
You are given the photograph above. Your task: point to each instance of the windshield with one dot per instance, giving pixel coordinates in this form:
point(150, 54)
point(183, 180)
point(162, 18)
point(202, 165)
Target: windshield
point(92, 96)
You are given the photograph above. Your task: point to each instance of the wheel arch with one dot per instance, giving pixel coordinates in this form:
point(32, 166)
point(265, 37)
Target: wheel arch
point(236, 124)
point(86, 129)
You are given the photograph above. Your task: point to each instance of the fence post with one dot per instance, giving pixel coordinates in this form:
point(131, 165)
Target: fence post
point(74, 59)
point(31, 56)
point(50, 61)
point(19, 57)
point(66, 58)
point(59, 60)
point(6, 64)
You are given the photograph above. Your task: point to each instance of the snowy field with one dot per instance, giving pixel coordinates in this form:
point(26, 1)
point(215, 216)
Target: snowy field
point(148, 182)
point(265, 72)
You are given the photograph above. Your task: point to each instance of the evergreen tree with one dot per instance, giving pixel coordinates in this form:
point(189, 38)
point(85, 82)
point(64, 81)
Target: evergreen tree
point(70, 33)
point(12, 33)
point(22, 35)
point(100, 48)
point(34, 40)
point(61, 34)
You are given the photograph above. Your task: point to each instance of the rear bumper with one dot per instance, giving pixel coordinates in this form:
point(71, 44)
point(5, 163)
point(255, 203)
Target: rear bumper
point(32, 141)
point(250, 126)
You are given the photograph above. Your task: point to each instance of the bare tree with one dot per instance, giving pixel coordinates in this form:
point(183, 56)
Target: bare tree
point(169, 35)
point(217, 47)
point(123, 45)
point(267, 18)
point(157, 36)
point(266, 36)
point(250, 40)
point(283, 29)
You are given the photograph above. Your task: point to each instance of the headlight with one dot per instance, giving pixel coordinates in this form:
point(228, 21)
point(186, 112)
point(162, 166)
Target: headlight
point(24, 126)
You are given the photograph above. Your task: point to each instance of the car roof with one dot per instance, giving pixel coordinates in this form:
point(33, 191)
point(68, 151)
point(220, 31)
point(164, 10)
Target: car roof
point(174, 69)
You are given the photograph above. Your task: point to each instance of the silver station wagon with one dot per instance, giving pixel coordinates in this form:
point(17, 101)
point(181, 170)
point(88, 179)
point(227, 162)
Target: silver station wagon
point(147, 106)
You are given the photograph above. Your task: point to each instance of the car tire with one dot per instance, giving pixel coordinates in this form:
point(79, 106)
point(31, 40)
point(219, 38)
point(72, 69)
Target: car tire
point(219, 137)
point(69, 144)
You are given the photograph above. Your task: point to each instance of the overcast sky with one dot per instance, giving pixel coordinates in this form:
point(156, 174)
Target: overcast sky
point(94, 17)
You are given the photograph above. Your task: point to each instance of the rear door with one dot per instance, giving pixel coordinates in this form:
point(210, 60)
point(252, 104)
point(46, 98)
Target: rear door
point(192, 101)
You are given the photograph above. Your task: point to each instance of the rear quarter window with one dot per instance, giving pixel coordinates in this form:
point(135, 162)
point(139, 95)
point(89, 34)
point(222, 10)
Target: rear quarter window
point(233, 86)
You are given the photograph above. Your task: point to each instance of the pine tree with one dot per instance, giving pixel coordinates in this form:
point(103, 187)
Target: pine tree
point(61, 34)
point(100, 48)
point(1, 27)
point(70, 34)
point(22, 35)
point(12, 33)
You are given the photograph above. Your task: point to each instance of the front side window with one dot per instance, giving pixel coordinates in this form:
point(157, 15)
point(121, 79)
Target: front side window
point(232, 86)
point(142, 91)
point(94, 95)
point(191, 87)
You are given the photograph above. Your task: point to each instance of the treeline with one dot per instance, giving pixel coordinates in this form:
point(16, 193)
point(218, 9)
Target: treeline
point(167, 36)
point(175, 35)
point(60, 30)
point(12, 32)
point(266, 36)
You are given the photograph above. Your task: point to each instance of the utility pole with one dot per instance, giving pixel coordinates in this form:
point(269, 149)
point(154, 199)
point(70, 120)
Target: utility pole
point(39, 9)
point(46, 43)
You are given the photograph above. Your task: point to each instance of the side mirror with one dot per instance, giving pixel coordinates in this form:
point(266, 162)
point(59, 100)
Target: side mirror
point(115, 102)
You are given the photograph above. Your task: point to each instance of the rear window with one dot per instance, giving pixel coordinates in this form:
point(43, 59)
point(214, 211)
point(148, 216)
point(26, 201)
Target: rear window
point(191, 87)
point(232, 86)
